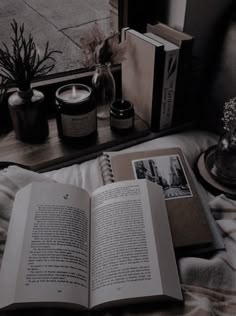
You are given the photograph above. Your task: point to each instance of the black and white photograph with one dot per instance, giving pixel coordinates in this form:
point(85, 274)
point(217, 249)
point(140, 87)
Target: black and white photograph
point(166, 171)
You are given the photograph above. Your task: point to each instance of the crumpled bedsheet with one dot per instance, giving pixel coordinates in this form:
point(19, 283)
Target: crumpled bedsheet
point(209, 285)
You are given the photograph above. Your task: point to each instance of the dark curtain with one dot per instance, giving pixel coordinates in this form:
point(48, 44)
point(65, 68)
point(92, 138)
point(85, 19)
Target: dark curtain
point(141, 12)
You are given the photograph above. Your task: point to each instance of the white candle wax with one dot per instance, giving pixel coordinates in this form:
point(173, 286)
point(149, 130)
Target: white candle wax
point(73, 95)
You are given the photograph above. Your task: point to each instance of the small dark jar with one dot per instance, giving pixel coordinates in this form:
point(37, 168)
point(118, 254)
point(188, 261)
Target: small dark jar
point(122, 115)
point(76, 112)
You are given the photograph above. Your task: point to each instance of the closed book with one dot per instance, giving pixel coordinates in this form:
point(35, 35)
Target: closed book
point(182, 111)
point(169, 80)
point(192, 226)
point(142, 76)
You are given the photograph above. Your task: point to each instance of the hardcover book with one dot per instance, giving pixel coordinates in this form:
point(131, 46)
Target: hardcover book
point(169, 80)
point(68, 248)
point(142, 76)
point(182, 113)
point(191, 223)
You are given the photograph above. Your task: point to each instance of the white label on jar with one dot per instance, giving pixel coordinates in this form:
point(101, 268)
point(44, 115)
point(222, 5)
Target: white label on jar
point(79, 125)
point(121, 124)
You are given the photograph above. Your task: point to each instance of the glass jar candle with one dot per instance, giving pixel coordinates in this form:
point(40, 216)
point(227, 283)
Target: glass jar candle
point(122, 115)
point(76, 112)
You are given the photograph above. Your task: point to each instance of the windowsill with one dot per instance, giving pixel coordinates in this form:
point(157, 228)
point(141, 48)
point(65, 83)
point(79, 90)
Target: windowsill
point(54, 153)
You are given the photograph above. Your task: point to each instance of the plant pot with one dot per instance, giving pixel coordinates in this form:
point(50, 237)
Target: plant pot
point(28, 114)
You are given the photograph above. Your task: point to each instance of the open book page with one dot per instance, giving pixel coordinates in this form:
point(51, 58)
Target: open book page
point(47, 252)
point(124, 253)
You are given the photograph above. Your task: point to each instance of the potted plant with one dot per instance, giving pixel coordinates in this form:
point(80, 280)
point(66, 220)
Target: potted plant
point(224, 167)
point(3, 89)
point(4, 117)
point(19, 66)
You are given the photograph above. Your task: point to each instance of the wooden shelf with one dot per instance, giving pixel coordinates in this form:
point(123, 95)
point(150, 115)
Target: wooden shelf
point(54, 153)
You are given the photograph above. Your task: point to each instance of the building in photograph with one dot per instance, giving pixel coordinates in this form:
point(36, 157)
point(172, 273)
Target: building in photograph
point(177, 177)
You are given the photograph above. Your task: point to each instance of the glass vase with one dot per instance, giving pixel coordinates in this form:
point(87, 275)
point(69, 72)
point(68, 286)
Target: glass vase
point(224, 167)
point(104, 89)
point(28, 114)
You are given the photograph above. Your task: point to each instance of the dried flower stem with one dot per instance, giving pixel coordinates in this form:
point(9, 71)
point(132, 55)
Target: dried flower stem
point(99, 49)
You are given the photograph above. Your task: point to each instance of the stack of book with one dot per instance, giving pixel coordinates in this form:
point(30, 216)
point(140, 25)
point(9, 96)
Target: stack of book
point(156, 75)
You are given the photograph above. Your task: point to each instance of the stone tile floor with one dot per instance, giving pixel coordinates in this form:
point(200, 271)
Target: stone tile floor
point(59, 21)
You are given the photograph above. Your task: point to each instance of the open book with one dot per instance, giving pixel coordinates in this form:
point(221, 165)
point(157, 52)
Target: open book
point(68, 248)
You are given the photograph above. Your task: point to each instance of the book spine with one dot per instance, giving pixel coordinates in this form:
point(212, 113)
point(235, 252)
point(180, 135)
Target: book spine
point(169, 84)
point(106, 169)
point(182, 112)
point(157, 89)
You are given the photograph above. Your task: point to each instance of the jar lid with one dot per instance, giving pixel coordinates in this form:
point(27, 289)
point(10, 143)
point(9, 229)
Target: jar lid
point(122, 106)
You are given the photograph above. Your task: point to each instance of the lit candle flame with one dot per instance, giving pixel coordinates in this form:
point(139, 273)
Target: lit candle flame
point(74, 92)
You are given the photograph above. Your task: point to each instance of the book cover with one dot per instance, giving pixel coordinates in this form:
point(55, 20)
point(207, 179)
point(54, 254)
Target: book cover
point(182, 112)
point(169, 80)
point(142, 76)
point(187, 210)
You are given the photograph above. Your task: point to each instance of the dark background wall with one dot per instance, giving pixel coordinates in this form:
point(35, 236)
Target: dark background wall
point(212, 23)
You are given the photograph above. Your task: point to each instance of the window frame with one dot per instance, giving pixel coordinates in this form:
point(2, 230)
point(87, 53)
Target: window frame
point(143, 12)
point(127, 16)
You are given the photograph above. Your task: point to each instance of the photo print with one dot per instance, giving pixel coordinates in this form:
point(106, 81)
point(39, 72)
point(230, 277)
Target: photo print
point(166, 171)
